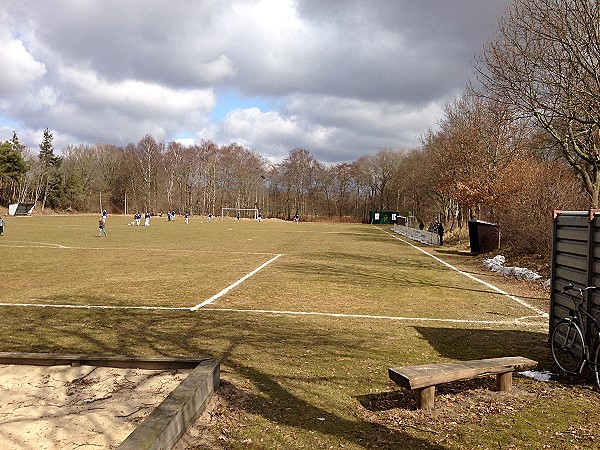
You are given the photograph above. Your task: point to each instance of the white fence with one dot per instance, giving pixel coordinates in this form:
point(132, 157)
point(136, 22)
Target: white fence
point(426, 237)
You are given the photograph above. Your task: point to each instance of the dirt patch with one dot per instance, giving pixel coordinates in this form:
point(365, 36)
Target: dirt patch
point(223, 412)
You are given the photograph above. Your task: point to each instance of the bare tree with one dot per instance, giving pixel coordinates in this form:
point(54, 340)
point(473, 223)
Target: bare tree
point(544, 65)
point(297, 175)
point(381, 169)
point(148, 154)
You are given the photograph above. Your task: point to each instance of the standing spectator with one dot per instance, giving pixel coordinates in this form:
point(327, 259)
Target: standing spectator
point(1, 226)
point(238, 215)
point(440, 232)
point(102, 227)
point(421, 225)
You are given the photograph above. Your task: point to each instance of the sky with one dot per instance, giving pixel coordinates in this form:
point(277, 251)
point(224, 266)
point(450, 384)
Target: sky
point(340, 78)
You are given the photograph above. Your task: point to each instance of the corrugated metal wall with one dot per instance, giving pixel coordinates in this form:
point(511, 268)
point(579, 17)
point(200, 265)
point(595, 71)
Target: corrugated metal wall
point(575, 259)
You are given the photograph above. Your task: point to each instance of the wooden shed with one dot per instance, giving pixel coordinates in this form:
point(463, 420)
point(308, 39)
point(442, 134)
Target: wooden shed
point(575, 259)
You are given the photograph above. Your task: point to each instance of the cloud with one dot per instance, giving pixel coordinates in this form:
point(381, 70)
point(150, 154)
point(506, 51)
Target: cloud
point(138, 98)
point(340, 79)
point(19, 69)
point(336, 129)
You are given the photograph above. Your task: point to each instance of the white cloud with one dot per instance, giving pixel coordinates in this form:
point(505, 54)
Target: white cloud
point(19, 68)
point(342, 79)
point(134, 96)
point(216, 71)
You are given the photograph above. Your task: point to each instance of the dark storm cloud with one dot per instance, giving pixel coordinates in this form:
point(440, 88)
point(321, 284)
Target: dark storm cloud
point(346, 77)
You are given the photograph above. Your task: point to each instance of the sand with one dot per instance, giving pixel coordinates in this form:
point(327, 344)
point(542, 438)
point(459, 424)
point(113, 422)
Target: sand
point(85, 407)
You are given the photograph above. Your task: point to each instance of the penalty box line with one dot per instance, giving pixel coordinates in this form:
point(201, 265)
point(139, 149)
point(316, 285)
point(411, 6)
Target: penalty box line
point(231, 286)
point(524, 321)
point(485, 283)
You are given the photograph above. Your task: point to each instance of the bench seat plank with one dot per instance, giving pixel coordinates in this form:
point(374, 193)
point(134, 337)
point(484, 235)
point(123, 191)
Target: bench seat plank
point(417, 377)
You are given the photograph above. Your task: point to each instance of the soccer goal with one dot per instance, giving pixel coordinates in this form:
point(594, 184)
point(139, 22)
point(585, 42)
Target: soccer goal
point(241, 213)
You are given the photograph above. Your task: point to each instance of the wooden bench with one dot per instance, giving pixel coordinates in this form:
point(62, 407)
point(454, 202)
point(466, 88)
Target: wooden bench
point(423, 379)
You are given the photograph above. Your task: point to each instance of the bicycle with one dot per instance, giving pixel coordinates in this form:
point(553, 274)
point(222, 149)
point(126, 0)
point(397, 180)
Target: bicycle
point(570, 349)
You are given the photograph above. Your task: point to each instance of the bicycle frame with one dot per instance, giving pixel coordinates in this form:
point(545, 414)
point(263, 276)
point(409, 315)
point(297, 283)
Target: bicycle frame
point(582, 318)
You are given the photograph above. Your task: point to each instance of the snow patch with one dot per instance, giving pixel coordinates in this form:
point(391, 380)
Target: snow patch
point(496, 264)
point(542, 375)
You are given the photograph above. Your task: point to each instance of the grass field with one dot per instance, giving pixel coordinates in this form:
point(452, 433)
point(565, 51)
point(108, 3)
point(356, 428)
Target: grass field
point(306, 319)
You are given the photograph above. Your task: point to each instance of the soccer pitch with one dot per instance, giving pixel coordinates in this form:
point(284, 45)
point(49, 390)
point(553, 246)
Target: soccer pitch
point(306, 318)
point(237, 265)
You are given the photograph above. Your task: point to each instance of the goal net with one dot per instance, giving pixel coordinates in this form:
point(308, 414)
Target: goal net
point(244, 213)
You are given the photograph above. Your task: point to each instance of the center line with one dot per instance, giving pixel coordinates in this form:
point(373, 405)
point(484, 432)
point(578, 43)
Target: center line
point(230, 287)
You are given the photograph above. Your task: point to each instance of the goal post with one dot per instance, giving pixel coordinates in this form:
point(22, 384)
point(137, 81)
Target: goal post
point(244, 213)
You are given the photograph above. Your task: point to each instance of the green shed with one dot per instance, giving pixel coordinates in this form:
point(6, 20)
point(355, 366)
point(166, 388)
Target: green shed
point(383, 217)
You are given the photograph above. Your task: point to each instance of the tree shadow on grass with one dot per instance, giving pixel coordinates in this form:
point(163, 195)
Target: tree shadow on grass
point(468, 343)
point(453, 251)
point(355, 270)
point(277, 404)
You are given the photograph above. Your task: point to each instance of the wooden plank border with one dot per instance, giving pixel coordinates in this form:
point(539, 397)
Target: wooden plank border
point(165, 425)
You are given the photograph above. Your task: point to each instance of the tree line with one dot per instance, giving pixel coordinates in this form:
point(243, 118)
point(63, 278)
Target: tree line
point(520, 143)
point(201, 179)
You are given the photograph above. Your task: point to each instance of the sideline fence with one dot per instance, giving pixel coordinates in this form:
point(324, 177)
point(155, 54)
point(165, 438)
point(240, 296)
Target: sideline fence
point(426, 237)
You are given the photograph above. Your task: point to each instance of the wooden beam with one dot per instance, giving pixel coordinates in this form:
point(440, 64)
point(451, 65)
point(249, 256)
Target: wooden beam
point(504, 382)
point(414, 377)
point(426, 398)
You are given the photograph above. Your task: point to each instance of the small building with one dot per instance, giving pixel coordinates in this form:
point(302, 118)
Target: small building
point(20, 209)
point(483, 236)
point(383, 217)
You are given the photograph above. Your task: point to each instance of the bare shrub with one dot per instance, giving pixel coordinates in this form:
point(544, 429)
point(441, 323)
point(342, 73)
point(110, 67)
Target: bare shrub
point(529, 192)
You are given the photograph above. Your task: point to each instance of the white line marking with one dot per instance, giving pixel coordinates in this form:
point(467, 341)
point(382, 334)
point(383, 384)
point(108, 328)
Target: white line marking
point(485, 283)
point(67, 306)
point(36, 245)
point(518, 321)
point(182, 250)
point(230, 287)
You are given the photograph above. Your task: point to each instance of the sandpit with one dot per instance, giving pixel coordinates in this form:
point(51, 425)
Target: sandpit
point(84, 407)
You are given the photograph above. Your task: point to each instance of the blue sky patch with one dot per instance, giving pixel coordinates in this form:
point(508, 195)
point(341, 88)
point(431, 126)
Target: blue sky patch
point(230, 100)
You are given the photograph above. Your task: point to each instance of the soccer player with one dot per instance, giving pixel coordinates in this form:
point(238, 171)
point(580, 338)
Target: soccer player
point(187, 216)
point(102, 227)
point(1, 226)
point(147, 219)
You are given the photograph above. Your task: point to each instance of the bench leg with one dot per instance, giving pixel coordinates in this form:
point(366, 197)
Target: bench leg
point(425, 397)
point(504, 382)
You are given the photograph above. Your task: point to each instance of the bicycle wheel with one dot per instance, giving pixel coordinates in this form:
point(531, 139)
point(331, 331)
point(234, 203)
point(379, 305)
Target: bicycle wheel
point(595, 367)
point(568, 348)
